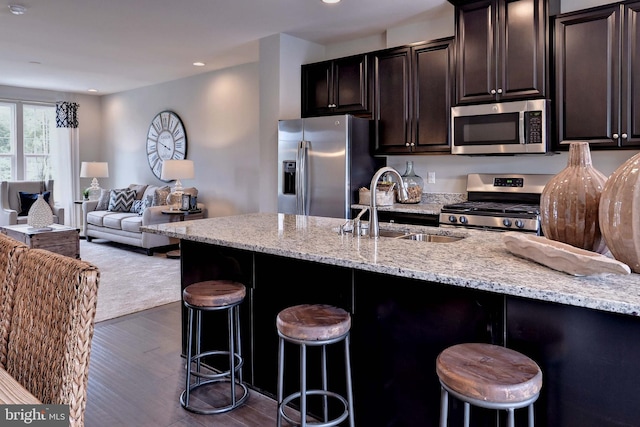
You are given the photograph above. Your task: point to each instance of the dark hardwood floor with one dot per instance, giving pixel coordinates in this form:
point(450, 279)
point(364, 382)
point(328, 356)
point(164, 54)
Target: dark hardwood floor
point(136, 375)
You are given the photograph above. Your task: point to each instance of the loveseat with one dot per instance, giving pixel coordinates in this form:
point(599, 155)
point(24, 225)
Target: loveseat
point(16, 197)
point(119, 213)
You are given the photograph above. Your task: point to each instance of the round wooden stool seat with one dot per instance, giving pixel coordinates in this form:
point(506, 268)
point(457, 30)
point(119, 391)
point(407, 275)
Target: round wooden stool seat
point(489, 373)
point(313, 322)
point(214, 293)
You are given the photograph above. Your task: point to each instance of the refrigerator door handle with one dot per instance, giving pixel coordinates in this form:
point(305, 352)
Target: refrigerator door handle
point(302, 179)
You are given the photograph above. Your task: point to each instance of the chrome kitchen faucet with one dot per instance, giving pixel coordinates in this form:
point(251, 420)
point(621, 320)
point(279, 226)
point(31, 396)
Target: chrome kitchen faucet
point(374, 228)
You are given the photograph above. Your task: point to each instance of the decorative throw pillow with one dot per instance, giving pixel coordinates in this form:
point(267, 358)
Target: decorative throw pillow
point(103, 200)
point(139, 189)
point(146, 202)
point(121, 200)
point(27, 199)
point(160, 196)
point(137, 206)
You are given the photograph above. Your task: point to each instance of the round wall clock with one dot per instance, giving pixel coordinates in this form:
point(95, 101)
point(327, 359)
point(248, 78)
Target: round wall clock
point(166, 140)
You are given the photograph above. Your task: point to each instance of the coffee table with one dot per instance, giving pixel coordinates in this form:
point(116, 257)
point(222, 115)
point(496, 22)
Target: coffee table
point(60, 239)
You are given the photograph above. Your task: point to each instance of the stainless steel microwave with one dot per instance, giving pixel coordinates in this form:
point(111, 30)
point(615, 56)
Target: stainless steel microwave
point(516, 127)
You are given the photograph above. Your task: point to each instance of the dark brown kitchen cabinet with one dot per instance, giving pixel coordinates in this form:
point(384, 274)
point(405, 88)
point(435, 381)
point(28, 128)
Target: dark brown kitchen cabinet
point(502, 52)
point(335, 87)
point(412, 97)
point(598, 76)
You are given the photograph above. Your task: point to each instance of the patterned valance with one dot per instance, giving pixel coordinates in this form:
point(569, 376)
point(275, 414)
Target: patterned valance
point(66, 114)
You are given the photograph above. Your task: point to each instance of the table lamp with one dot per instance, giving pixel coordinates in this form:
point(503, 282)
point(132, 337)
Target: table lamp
point(176, 169)
point(94, 170)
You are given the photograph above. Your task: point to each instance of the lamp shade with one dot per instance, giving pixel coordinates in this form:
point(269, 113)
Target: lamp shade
point(94, 170)
point(177, 169)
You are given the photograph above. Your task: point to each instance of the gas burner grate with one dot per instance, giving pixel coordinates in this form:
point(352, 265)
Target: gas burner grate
point(488, 208)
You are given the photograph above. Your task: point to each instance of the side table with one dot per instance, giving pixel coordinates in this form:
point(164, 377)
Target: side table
point(59, 238)
point(179, 215)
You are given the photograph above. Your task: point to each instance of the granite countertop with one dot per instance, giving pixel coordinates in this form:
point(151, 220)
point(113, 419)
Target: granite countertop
point(479, 261)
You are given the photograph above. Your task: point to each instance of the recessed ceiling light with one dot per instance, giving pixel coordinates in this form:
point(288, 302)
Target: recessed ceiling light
point(331, 1)
point(17, 9)
point(199, 64)
point(92, 90)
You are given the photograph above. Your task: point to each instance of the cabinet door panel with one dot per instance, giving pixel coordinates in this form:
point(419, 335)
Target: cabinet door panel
point(391, 100)
point(316, 89)
point(631, 77)
point(522, 49)
point(476, 66)
point(350, 84)
point(588, 87)
point(433, 81)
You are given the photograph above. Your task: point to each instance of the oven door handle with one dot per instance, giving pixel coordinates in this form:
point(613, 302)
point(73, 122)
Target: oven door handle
point(523, 140)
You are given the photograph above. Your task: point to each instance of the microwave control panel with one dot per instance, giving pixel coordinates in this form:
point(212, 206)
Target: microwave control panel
point(533, 127)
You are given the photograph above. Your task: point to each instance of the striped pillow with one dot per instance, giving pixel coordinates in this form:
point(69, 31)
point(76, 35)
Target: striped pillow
point(121, 200)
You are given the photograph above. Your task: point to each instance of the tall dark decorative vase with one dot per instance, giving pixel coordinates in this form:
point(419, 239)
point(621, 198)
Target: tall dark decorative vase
point(570, 200)
point(620, 213)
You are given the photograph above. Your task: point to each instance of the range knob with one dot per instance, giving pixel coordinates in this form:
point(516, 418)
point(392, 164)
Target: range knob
point(463, 219)
point(452, 218)
point(506, 222)
point(519, 223)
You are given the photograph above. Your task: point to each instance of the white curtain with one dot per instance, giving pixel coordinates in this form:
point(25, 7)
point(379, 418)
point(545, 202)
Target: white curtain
point(66, 161)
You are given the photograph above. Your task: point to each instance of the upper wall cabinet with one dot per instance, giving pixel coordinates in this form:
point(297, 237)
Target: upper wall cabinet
point(502, 52)
point(597, 67)
point(412, 96)
point(335, 87)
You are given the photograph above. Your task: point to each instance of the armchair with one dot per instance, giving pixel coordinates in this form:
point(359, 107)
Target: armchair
point(10, 202)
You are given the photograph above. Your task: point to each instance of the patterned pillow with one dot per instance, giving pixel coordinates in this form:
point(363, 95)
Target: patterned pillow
point(137, 206)
point(121, 200)
point(103, 201)
point(160, 196)
point(146, 202)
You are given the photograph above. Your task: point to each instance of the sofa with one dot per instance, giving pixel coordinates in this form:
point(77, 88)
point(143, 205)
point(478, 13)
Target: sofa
point(16, 197)
point(119, 213)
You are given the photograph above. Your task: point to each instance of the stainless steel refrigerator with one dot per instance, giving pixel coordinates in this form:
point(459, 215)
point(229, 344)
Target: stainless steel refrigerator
point(322, 162)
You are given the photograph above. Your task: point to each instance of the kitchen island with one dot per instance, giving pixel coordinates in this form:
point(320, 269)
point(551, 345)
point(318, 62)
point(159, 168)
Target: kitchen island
point(411, 299)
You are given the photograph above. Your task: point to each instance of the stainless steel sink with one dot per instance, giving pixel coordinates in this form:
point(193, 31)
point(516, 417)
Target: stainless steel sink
point(418, 237)
point(434, 238)
point(393, 233)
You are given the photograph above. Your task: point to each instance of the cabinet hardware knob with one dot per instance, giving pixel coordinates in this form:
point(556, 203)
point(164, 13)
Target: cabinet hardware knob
point(615, 136)
point(624, 136)
point(499, 90)
point(493, 91)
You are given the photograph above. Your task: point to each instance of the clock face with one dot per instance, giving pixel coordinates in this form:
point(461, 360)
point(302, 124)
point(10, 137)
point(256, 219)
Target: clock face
point(166, 140)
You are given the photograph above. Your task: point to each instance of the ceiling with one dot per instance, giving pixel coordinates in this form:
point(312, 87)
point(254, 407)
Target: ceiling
point(117, 45)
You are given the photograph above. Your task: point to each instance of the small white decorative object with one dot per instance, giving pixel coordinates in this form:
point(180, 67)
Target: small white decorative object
point(40, 216)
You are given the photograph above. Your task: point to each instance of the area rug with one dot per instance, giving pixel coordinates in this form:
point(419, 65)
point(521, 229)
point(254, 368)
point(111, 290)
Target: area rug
point(130, 280)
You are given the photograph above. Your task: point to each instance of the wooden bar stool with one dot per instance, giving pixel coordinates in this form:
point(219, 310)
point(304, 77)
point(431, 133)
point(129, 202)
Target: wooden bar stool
point(214, 295)
point(488, 376)
point(314, 325)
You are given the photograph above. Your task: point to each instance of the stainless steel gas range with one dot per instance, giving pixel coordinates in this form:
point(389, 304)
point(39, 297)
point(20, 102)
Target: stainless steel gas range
point(499, 202)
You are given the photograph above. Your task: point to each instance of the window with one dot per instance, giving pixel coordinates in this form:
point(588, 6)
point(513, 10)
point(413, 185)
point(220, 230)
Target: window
point(27, 135)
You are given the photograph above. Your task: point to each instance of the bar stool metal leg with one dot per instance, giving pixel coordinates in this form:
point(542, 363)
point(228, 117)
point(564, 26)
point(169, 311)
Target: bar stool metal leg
point(303, 385)
point(325, 404)
point(444, 407)
point(347, 355)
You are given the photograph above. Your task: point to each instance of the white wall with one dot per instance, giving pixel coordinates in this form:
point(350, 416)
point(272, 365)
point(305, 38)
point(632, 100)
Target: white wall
point(220, 113)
